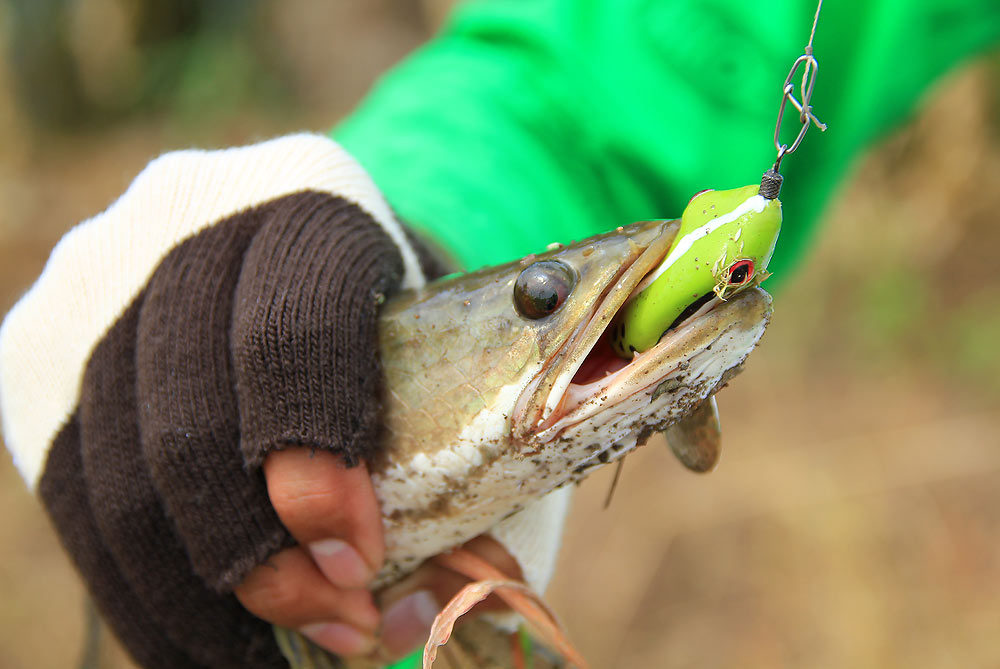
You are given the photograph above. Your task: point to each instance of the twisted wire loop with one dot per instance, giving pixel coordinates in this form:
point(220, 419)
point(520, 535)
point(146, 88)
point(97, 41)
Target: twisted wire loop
point(806, 116)
point(770, 184)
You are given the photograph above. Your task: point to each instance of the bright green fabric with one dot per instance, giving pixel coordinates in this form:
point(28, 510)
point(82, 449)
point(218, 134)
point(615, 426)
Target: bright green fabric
point(414, 660)
point(527, 122)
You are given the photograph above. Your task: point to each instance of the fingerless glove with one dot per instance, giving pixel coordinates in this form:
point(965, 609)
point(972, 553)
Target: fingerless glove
point(223, 307)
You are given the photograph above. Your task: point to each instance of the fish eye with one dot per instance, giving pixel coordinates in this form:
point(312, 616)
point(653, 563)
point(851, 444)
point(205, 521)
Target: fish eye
point(542, 287)
point(740, 272)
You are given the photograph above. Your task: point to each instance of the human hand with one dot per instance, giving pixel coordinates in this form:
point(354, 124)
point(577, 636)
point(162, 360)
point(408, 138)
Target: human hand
point(221, 311)
point(320, 586)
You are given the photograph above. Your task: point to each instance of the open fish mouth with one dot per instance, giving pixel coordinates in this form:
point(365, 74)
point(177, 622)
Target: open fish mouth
point(586, 382)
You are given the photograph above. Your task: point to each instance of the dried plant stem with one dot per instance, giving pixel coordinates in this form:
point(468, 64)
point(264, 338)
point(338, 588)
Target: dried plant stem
point(487, 580)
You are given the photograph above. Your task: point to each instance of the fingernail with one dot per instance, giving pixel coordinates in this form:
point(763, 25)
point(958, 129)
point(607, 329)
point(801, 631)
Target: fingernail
point(340, 563)
point(339, 638)
point(407, 623)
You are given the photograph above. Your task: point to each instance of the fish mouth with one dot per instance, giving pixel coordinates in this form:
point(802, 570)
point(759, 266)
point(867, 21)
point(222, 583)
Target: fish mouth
point(586, 380)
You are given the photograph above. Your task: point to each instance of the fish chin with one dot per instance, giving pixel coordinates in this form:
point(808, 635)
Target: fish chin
point(602, 419)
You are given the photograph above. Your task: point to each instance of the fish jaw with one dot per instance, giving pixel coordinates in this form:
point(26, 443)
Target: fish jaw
point(537, 429)
point(662, 385)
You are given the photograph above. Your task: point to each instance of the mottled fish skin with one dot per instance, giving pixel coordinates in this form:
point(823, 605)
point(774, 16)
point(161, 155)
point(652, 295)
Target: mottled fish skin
point(480, 414)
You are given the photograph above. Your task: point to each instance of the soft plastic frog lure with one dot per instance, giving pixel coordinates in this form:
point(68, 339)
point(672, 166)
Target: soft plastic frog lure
point(723, 246)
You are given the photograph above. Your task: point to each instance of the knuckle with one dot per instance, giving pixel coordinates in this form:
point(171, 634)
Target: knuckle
point(270, 596)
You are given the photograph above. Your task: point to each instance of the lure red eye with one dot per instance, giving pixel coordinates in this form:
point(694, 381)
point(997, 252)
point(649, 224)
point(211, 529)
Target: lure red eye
point(740, 272)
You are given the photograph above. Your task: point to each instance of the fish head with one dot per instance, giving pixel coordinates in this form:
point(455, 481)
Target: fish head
point(588, 404)
point(502, 384)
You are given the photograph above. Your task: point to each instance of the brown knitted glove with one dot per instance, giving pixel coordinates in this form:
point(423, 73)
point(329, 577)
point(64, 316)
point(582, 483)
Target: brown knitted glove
point(224, 306)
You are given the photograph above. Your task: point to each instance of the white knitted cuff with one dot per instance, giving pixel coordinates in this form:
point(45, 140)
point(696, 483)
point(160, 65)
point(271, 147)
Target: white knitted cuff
point(533, 536)
point(99, 267)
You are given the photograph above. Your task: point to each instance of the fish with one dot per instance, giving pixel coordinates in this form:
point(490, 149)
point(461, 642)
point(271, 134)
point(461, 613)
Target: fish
point(491, 403)
point(507, 383)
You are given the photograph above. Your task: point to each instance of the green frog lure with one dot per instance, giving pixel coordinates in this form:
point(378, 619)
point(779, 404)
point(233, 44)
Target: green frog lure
point(724, 243)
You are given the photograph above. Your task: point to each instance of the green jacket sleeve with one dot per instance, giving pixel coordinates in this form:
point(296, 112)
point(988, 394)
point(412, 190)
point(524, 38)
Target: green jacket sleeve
point(525, 123)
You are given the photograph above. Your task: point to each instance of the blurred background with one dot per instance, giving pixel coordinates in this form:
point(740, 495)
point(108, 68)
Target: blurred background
point(855, 518)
